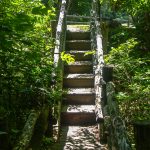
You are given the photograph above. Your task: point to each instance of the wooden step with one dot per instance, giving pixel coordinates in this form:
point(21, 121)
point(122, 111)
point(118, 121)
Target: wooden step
point(78, 81)
point(78, 23)
point(80, 91)
point(78, 108)
point(78, 138)
point(82, 96)
point(79, 99)
point(76, 118)
point(78, 35)
point(78, 45)
point(79, 67)
point(78, 28)
point(81, 55)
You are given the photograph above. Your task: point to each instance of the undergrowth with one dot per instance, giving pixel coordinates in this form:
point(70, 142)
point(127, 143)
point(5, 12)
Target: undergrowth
point(131, 75)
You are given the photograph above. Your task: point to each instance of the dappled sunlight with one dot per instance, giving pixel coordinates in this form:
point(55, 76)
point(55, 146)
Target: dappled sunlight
point(80, 108)
point(85, 138)
point(79, 75)
point(78, 28)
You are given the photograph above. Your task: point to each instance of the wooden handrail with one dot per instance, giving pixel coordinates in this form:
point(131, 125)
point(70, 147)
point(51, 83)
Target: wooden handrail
point(60, 35)
point(117, 140)
point(59, 47)
point(98, 58)
point(75, 16)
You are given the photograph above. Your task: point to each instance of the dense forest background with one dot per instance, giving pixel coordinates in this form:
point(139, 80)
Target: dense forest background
point(26, 62)
point(26, 54)
point(129, 51)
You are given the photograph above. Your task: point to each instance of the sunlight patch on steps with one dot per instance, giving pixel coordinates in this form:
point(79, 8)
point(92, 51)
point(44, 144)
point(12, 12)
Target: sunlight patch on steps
point(80, 137)
point(89, 76)
point(81, 63)
point(79, 108)
point(80, 90)
point(78, 27)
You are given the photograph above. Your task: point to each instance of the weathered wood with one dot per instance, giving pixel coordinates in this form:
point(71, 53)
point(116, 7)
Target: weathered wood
point(75, 16)
point(60, 33)
point(105, 31)
point(104, 97)
point(98, 59)
point(112, 106)
point(27, 132)
point(77, 23)
point(117, 139)
point(40, 129)
point(59, 47)
point(142, 134)
point(53, 28)
point(107, 73)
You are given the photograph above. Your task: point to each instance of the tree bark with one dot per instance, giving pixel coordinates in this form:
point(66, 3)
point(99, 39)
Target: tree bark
point(27, 132)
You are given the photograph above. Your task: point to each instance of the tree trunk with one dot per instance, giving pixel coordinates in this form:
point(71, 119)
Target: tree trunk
point(27, 131)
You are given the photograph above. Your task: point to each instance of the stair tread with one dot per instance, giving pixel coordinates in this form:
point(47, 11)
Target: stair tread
point(78, 27)
point(80, 63)
point(78, 108)
point(78, 137)
point(78, 31)
point(79, 76)
point(73, 130)
point(75, 51)
point(73, 41)
point(79, 99)
point(78, 51)
point(78, 35)
point(80, 55)
point(78, 45)
point(80, 91)
point(78, 118)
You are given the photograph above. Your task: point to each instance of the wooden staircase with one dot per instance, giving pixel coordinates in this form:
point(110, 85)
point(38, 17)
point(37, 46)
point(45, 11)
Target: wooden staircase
point(80, 114)
point(79, 129)
point(79, 82)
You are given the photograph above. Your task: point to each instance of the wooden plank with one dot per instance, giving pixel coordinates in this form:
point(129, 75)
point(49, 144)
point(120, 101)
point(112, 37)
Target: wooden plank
point(76, 118)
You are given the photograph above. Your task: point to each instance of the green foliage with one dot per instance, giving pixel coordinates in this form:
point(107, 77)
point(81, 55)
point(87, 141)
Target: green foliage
point(25, 46)
point(80, 27)
point(46, 143)
point(139, 10)
point(26, 58)
point(120, 35)
point(131, 75)
point(3, 112)
point(47, 140)
point(68, 58)
point(80, 7)
point(92, 52)
point(131, 6)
